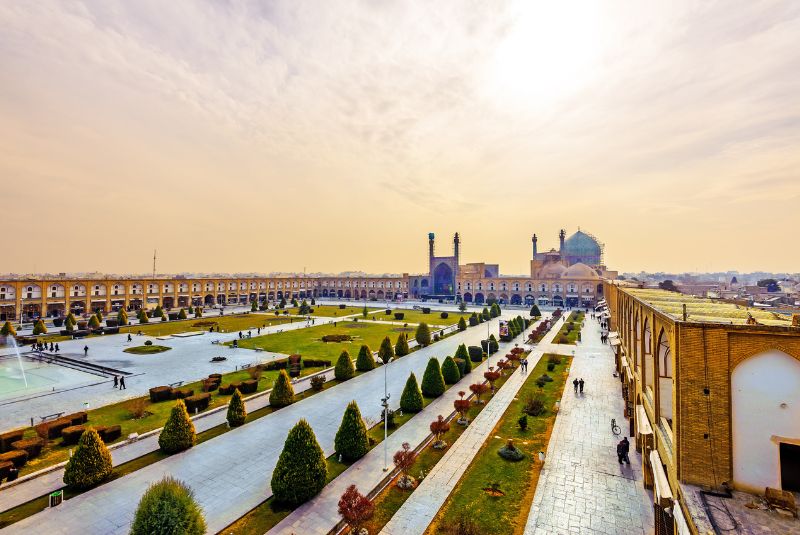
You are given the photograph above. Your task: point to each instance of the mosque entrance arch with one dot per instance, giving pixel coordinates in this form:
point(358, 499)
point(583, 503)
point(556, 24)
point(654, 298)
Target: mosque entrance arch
point(443, 282)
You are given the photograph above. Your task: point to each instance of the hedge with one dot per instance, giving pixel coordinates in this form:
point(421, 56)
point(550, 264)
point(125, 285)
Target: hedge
point(198, 402)
point(18, 457)
point(109, 433)
point(411, 399)
point(178, 433)
point(72, 434)
point(316, 363)
point(450, 371)
point(31, 446)
point(160, 393)
point(444, 315)
point(6, 439)
point(475, 353)
point(399, 315)
point(89, 464)
point(250, 386)
point(432, 381)
point(282, 392)
point(344, 369)
point(168, 506)
point(365, 361)
point(473, 320)
point(351, 440)
point(301, 470)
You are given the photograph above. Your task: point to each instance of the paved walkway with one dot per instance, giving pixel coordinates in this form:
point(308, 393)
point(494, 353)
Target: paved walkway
point(582, 488)
point(230, 474)
point(319, 515)
point(418, 511)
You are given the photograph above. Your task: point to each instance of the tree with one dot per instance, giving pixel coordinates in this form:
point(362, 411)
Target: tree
point(401, 348)
point(237, 413)
point(365, 311)
point(40, 328)
point(462, 306)
point(463, 354)
point(770, 284)
point(178, 433)
point(411, 399)
point(69, 324)
point(99, 315)
point(365, 361)
point(668, 285)
point(8, 329)
point(304, 308)
point(439, 427)
point(198, 312)
point(143, 318)
point(491, 376)
point(485, 314)
point(94, 323)
point(479, 389)
point(301, 470)
point(432, 381)
point(90, 464)
point(254, 306)
point(191, 309)
point(450, 371)
point(282, 304)
point(182, 314)
point(404, 460)
point(535, 312)
point(282, 392)
point(462, 325)
point(493, 345)
point(423, 334)
point(344, 369)
point(351, 440)
point(168, 506)
point(355, 509)
point(385, 352)
point(461, 406)
point(494, 311)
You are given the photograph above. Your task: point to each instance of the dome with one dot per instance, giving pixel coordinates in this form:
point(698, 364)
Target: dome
point(552, 271)
point(580, 271)
point(581, 247)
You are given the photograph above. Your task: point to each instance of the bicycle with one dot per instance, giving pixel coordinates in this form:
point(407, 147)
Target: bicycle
point(614, 427)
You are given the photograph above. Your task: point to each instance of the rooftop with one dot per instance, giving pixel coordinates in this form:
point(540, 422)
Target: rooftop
point(701, 309)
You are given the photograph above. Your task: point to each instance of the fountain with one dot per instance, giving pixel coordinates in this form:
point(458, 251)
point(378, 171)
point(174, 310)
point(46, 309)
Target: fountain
point(19, 359)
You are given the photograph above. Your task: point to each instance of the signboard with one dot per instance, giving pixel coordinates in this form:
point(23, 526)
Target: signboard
point(503, 328)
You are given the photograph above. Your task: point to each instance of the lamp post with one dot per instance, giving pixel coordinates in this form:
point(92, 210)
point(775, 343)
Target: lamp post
point(385, 404)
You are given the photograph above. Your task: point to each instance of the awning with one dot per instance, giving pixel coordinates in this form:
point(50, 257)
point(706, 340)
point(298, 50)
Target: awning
point(605, 315)
point(680, 520)
point(615, 342)
point(642, 422)
point(613, 334)
point(662, 493)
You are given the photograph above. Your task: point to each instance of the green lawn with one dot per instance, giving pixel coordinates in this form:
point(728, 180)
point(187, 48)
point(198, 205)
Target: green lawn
point(571, 329)
point(307, 342)
point(146, 350)
point(233, 323)
point(416, 316)
point(517, 480)
point(333, 311)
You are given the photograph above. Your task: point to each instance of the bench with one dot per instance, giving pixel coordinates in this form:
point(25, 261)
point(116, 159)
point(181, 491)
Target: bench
point(178, 383)
point(259, 349)
point(54, 416)
point(781, 499)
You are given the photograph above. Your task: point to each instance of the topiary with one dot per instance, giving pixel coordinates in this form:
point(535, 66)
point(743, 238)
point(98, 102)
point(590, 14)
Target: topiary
point(237, 413)
point(168, 506)
point(401, 348)
point(191, 309)
point(411, 399)
point(432, 381)
point(282, 391)
point(386, 353)
point(423, 334)
point(39, 327)
point(493, 345)
point(344, 369)
point(122, 317)
point(450, 371)
point(158, 312)
point(182, 314)
point(535, 312)
point(301, 470)
point(462, 325)
point(365, 361)
point(462, 353)
point(8, 329)
point(94, 323)
point(178, 433)
point(351, 439)
point(90, 464)
point(143, 318)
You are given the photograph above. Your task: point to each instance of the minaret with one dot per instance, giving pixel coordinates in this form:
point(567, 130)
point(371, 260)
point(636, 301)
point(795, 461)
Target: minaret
point(430, 245)
point(561, 235)
point(534, 240)
point(456, 242)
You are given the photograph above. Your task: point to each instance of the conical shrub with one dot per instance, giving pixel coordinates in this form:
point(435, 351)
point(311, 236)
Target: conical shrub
point(344, 369)
point(39, 328)
point(282, 391)
point(423, 334)
point(450, 371)
point(8, 329)
point(351, 439)
point(94, 323)
point(401, 348)
point(462, 325)
point(365, 361)
point(386, 353)
point(432, 381)
point(237, 413)
point(122, 317)
point(168, 506)
point(301, 470)
point(178, 432)
point(90, 464)
point(411, 398)
point(182, 314)
point(463, 354)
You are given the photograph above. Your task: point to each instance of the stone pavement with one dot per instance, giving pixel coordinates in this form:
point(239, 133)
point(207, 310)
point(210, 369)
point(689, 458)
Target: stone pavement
point(582, 488)
point(230, 474)
point(319, 515)
point(418, 511)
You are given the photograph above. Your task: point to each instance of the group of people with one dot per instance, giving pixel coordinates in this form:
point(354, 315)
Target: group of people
point(119, 382)
point(604, 337)
point(578, 384)
point(524, 365)
point(42, 346)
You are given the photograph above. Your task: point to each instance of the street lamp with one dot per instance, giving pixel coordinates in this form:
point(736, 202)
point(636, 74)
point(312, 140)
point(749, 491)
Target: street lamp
point(385, 404)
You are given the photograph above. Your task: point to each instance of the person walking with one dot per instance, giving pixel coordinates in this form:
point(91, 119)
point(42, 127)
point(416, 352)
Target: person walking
point(85, 351)
point(580, 383)
point(57, 349)
point(575, 383)
point(51, 347)
point(122, 382)
point(622, 451)
point(116, 381)
point(130, 338)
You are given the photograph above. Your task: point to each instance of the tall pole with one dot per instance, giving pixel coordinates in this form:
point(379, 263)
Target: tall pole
point(385, 402)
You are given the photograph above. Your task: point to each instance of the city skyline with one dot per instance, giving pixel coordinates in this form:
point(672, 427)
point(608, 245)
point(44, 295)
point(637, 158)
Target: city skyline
point(248, 137)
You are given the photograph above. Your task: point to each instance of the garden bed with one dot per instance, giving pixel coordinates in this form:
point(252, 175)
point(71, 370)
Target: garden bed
point(570, 332)
point(146, 350)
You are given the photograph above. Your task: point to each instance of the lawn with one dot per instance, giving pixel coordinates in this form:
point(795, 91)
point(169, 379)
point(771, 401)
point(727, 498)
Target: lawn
point(333, 311)
point(308, 342)
point(146, 350)
point(416, 316)
point(233, 323)
point(570, 331)
point(515, 480)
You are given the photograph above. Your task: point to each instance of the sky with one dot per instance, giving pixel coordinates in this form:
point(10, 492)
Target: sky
point(276, 136)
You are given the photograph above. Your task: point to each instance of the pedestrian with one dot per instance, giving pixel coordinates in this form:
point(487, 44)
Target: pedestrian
point(240, 335)
point(580, 383)
point(258, 331)
point(122, 382)
point(116, 381)
point(51, 347)
point(130, 338)
point(85, 351)
point(57, 349)
point(622, 451)
point(575, 384)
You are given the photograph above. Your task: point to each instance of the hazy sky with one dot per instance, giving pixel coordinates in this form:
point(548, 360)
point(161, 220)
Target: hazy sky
point(261, 136)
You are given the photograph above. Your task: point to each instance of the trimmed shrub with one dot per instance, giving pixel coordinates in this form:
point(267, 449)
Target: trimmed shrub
point(411, 399)
point(423, 334)
point(450, 371)
point(463, 354)
point(351, 438)
point(31, 446)
point(52, 430)
point(432, 381)
point(510, 452)
point(198, 402)
point(5, 469)
point(318, 382)
point(473, 320)
point(178, 433)
point(94, 323)
point(182, 314)
point(385, 352)
point(399, 315)
point(6, 439)
point(426, 310)
point(39, 327)
point(109, 433)
point(461, 365)
point(168, 506)
point(316, 363)
point(250, 386)
point(17, 457)
point(122, 317)
point(282, 391)
point(72, 434)
point(444, 315)
point(301, 470)
point(237, 414)
point(401, 348)
point(475, 353)
point(365, 361)
point(493, 345)
point(344, 367)
point(160, 393)
point(8, 329)
point(90, 463)
point(226, 390)
point(462, 325)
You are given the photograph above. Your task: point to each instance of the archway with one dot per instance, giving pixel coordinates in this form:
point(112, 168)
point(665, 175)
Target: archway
point(558, 301)
point(664, 352)
point(443, 281)
point(468, 297)
point(479, 298)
